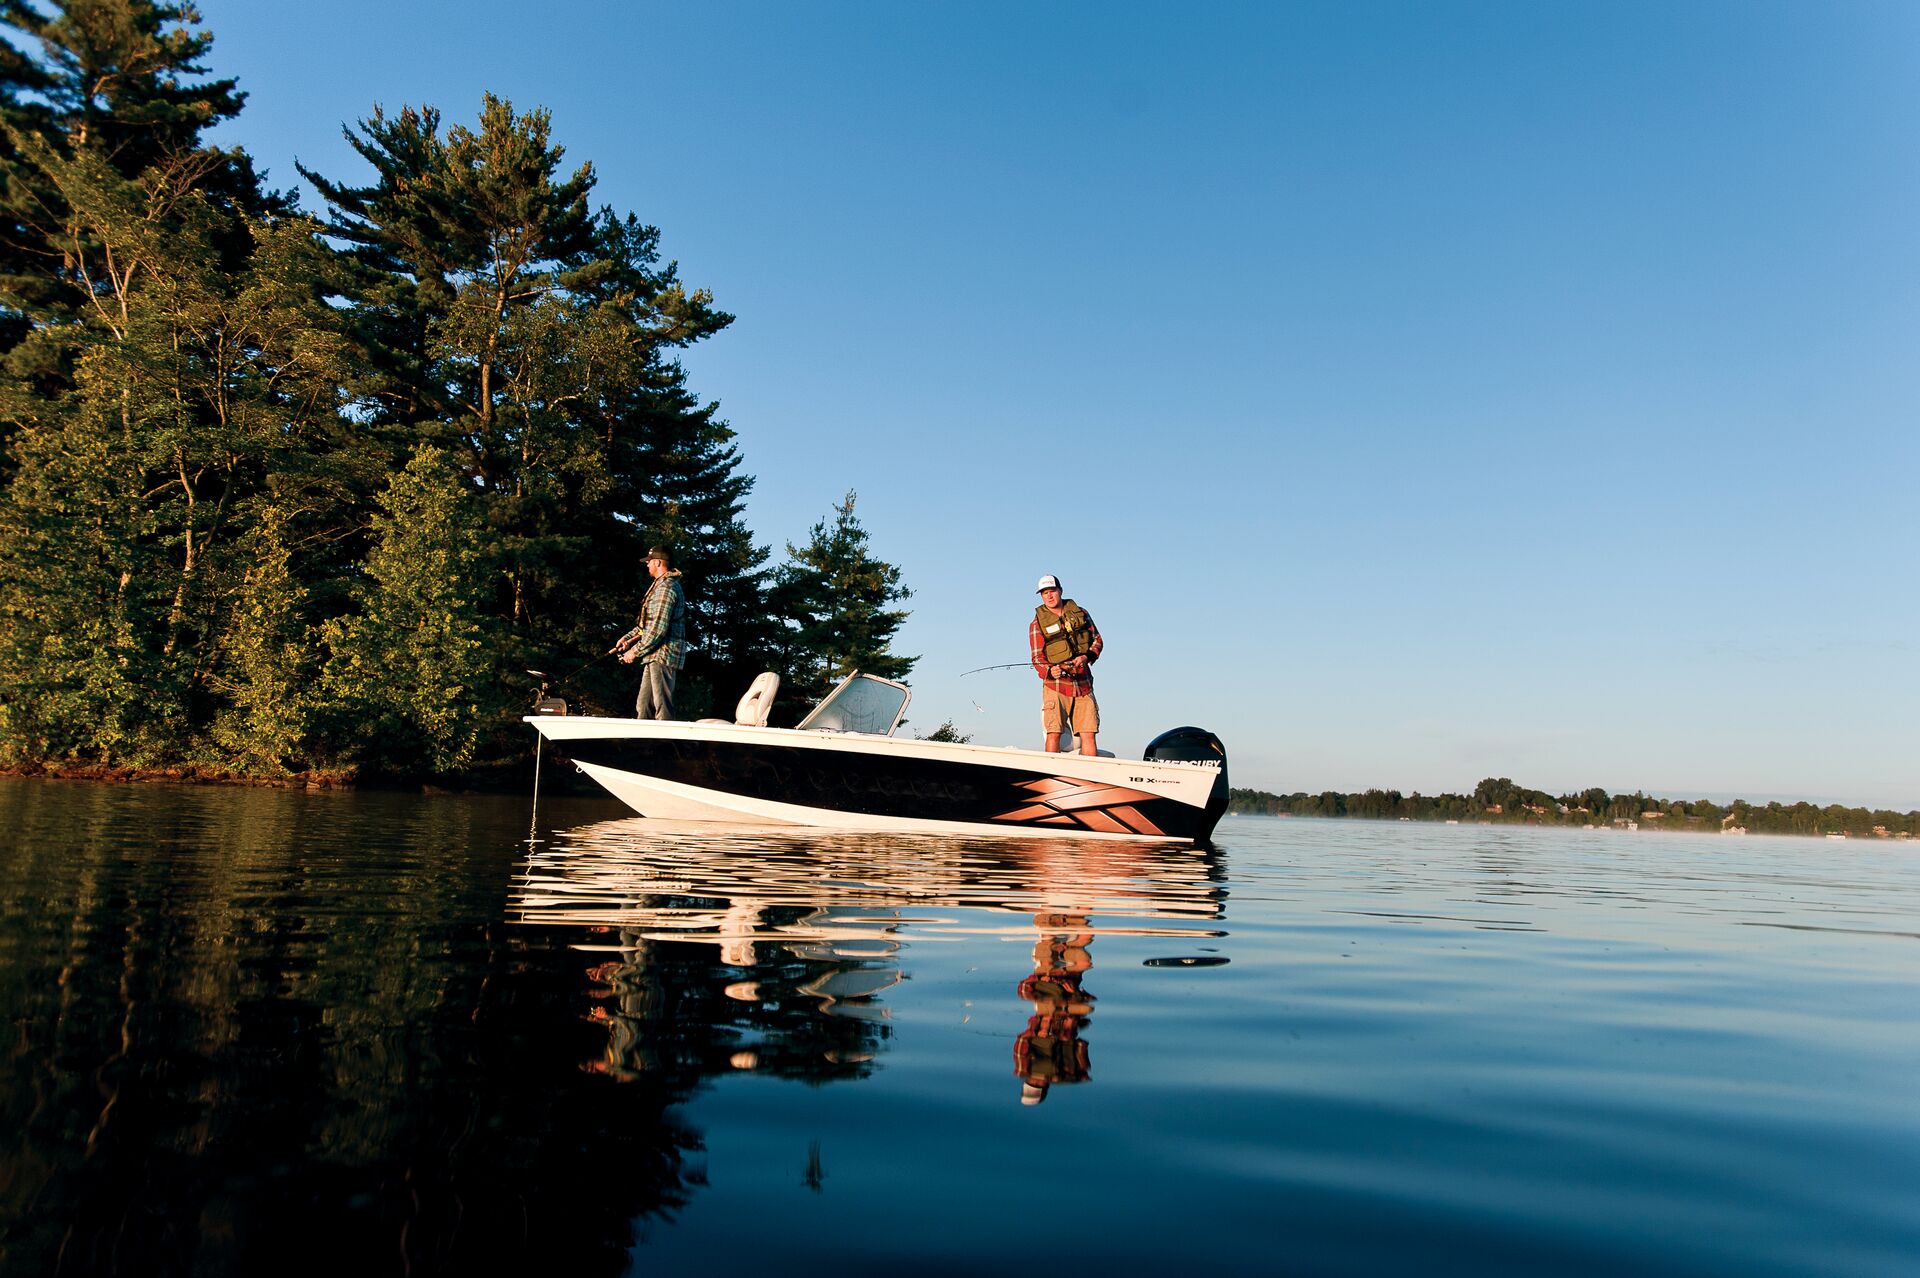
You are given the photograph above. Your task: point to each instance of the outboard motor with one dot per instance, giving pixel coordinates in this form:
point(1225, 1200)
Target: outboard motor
point(1196, 745)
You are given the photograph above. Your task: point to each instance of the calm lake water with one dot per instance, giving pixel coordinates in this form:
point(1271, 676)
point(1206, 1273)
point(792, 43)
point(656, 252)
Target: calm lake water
point(252, 1031)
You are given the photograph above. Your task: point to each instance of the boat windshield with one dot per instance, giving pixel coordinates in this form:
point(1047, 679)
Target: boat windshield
point(862, 703)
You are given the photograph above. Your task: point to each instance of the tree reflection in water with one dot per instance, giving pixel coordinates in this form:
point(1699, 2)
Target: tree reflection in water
point(254, 1031)
point(369, 1033)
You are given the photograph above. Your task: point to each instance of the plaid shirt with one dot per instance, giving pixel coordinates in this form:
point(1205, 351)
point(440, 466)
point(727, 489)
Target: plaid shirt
point(661, 632)
point(1072, 685)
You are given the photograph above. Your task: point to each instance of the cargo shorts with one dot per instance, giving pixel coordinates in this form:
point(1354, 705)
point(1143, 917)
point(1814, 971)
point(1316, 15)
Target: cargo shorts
point(1078, 715)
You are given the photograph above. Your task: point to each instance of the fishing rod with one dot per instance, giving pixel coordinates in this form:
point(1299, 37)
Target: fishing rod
point(546, 679)
point(542, 704)
point(1011, 665)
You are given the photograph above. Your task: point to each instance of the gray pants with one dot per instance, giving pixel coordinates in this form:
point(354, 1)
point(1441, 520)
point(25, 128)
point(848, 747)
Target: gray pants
point(656, 691)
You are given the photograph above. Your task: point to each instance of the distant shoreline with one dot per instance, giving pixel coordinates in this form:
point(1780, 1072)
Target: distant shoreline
point(1498, 801)
point(1901, 837)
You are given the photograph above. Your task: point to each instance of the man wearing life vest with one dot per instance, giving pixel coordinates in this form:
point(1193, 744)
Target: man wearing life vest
point(1065, 643)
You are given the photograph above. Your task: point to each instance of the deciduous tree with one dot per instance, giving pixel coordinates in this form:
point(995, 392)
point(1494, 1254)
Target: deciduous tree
point(408, 679)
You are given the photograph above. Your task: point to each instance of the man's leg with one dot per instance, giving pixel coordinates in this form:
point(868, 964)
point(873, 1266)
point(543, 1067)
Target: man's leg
point(1086, 722)
point(656, 692)
point(1053, 743)
point(663, 693)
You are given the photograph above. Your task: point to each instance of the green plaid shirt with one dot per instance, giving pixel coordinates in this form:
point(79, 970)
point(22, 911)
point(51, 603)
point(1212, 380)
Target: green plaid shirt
point(661, 632)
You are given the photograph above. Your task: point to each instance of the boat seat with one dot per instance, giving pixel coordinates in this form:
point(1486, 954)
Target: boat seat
point(754, 708)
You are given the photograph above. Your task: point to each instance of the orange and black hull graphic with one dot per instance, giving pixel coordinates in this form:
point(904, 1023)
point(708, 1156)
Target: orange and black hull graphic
point(905, 786)
point(1083, 805)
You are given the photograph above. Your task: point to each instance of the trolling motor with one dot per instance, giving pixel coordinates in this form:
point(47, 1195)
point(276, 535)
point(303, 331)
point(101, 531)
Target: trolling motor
point(542, 703)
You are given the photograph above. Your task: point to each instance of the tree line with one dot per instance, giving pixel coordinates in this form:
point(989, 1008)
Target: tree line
point(285, 491)
point(1499, 800)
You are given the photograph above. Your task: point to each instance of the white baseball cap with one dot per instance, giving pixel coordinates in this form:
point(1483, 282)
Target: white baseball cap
point(1048, 582)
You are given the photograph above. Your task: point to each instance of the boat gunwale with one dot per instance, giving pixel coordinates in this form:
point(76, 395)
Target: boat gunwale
point(861, 742)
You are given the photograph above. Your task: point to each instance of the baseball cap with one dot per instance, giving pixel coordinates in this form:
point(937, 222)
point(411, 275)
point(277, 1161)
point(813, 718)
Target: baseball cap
point(1048, 582)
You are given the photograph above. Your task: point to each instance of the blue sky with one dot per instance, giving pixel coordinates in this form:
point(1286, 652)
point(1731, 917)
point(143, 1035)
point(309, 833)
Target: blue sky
point(1412, 392)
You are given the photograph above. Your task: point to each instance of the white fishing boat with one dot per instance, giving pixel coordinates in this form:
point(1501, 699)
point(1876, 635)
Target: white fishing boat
point(843, 767)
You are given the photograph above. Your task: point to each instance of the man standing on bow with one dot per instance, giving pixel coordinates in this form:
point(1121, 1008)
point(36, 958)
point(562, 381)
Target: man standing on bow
point(658, 639)
point(1065, 643)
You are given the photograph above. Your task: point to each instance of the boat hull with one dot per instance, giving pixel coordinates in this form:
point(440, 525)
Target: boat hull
point(781, 776)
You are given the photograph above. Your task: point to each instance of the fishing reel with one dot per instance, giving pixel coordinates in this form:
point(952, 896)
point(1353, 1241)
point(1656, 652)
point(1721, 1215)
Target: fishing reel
point(542, 703)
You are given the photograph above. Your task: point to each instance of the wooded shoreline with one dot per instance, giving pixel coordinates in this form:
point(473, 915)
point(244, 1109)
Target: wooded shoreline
point(1498, 801)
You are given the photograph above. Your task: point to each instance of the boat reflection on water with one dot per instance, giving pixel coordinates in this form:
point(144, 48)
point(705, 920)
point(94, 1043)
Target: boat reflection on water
point(724, 948)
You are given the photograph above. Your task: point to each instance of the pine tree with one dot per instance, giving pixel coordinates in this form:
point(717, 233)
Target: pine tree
point(832, 597)
point(119, 84)
point(682, 479)
point(534, 341)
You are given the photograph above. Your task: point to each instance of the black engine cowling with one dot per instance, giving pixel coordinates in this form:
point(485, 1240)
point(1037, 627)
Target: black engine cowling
point(1196, 745)
point(1187, 745)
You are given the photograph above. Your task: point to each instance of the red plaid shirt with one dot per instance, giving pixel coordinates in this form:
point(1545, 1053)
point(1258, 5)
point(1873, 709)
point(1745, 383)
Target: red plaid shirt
point(1068, 685)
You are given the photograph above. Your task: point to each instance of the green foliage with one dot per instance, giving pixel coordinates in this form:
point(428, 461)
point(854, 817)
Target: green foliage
point(141, 329)
point(535, 340)
point(285, 494)
point(947, 732)
point(407, 680)
point(77, 599)
point(267, 657)
point(832, 597)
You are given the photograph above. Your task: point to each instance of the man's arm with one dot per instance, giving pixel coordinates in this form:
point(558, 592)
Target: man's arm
point(1092, 654)
point(651, 631)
